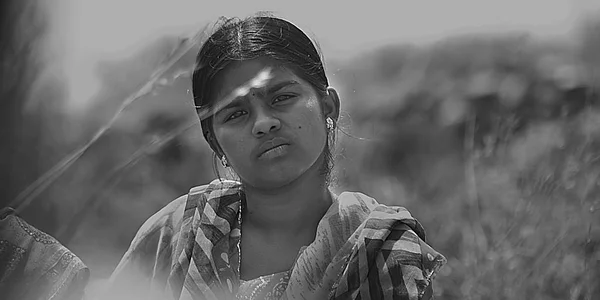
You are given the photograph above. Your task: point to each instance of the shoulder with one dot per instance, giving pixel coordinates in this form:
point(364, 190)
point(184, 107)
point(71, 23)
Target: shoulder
point(400, 236)
point(158, 235)
point(167, 216)
point(365, 207)
point(364, 210)
point(171, 215)
point(361, 201)
point(216, 188)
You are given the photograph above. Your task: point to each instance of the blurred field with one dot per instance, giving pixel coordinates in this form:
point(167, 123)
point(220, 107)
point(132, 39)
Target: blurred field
point(492, 142)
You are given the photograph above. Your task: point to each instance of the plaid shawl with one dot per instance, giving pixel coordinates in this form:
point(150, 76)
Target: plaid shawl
point(362, 250)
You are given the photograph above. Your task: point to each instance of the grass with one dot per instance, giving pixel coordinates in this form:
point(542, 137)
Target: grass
point(507, 192)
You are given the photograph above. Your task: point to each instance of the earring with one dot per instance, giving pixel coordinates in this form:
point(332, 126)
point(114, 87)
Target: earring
point(224, 161)
point(330, 124)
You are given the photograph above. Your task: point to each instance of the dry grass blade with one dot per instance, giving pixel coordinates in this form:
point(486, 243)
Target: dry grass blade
point(33, 190)
point(256, 82)
point(70, 229)
point(479, 238)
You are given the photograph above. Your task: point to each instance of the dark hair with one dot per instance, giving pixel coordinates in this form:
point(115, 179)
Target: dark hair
point(251, 38)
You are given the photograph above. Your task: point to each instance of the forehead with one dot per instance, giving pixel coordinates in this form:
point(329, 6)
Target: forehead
point(240, 73)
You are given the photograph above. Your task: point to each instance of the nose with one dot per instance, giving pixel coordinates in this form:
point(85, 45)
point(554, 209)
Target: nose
point(265, 123)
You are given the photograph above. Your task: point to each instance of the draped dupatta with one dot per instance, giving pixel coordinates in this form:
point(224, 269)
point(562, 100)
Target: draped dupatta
point(362, 250)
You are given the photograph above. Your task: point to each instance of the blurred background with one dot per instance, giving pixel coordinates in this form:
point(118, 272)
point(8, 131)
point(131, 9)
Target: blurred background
point(480, 117)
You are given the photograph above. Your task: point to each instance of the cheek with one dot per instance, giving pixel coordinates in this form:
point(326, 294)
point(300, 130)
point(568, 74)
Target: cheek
point(233, 144)
point(315, 116)
point(309, 123)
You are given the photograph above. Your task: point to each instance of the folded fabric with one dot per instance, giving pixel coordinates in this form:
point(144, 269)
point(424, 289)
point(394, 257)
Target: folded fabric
point(362, 250)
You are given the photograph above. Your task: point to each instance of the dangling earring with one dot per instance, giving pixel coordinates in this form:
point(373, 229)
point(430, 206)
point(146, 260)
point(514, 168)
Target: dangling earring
point(329, 124)
point(224, 161)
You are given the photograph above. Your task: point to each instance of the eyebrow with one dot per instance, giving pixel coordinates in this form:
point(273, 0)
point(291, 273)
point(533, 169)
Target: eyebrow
point(280, 85)
point(234, 103)
point(272, 89)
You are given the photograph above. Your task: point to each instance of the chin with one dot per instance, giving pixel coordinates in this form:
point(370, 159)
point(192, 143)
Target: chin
point(276, 177)
point(275, 180)
point(282, 173)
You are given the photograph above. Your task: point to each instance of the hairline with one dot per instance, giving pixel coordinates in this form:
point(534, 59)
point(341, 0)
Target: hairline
point(280, 65)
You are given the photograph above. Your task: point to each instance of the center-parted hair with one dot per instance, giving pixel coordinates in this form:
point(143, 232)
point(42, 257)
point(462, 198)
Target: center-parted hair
point(256, 37)
point(251, 38)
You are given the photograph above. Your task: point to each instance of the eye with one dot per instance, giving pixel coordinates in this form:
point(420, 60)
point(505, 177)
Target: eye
point(283, 98)
point(235, 115)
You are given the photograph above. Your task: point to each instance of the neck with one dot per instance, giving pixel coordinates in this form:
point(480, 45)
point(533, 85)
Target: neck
point(295, 208)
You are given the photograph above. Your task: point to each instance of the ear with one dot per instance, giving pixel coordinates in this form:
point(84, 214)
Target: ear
point(331, 104)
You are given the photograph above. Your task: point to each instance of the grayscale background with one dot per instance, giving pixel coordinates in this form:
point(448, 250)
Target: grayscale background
point(481, 117)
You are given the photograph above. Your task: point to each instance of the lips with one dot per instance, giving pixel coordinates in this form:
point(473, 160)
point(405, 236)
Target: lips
point(271, 144)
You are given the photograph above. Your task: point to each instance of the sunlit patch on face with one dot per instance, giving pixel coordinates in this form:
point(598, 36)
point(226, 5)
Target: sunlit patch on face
point(260, 80)
point(272, 130)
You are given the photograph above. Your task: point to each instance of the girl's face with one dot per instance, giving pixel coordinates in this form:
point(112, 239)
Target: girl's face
point(274, 133)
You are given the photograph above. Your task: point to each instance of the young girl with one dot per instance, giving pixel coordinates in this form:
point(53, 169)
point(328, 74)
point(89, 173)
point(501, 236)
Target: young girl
point(279, 232)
